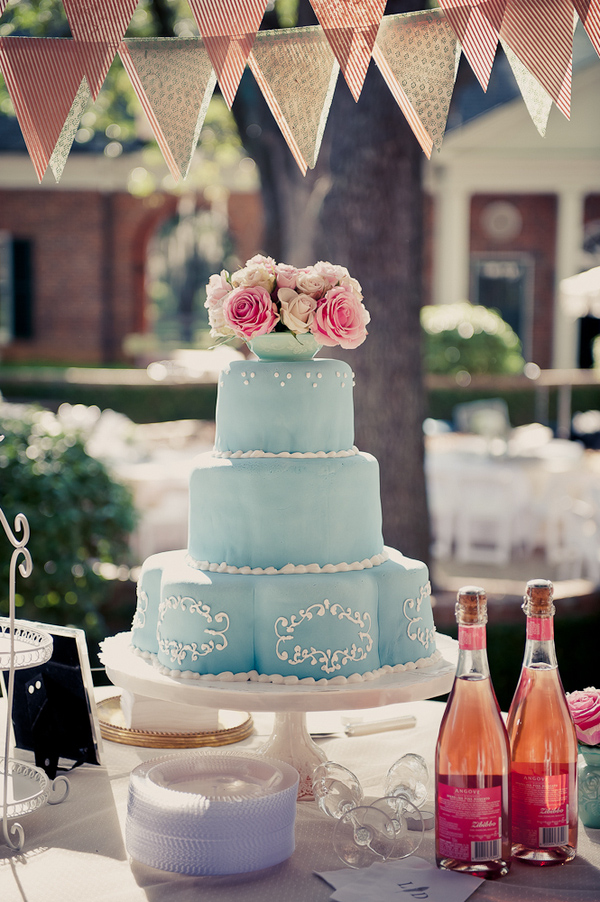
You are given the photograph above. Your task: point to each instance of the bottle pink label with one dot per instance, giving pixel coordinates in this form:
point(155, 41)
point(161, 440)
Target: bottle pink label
point(540, 810)
point(541, 628)
point(469, 822)
point(471, 637)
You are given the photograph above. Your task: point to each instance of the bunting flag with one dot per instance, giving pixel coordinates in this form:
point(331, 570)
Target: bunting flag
point(174, 82)
point(228, 28)
point(541, 35)
point(3, 6)
point(476, 24)
point(589, 13)
point(536, 98)
point(100, 26)
point(297, 73)
point(418, 55)
point(29, 66)
point(351, 27)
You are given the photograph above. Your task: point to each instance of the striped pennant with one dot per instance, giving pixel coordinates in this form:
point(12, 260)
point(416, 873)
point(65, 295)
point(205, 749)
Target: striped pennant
point(418, 55)
point(351, 27)
point(228, 28)
point(99, 25)
point(540, 34)
point(3, 6)
point(589, 13)
point(44, 79)
point(297, 73)
point(476, 24)
point(174, 82)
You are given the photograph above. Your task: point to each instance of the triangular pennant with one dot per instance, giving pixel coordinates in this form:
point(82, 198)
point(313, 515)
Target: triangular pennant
point(476, 24)
point(351, 27)
point(541, 35)
point(537, 100)
point(228, 28)
point(3, 6)
point(43, 77)
point(99, 25)
point(174, 81)
point(417, 54)
point(62, 149)
point(589, 13)
point(297, 73)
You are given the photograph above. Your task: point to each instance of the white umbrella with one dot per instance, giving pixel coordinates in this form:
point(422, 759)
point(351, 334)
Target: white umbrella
point(580, 294)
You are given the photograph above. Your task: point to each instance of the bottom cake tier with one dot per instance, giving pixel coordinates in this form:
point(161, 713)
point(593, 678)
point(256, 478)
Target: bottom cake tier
point(284, 627)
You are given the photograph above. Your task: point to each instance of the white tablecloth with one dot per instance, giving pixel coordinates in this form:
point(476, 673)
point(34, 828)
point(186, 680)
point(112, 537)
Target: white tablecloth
point(75, 852)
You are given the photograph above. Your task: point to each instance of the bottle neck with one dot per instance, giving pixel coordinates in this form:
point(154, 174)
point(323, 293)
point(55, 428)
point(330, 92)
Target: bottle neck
point(539, 644)
point(472, 652)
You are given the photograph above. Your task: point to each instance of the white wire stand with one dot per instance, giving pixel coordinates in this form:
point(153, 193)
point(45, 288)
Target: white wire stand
point(290, 740)
point(25, 788)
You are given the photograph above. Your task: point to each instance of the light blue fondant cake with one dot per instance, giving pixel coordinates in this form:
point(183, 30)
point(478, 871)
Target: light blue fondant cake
point(286, 576)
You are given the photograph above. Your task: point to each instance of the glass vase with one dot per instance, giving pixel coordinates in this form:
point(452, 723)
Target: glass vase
point(588, 772)
point(284, 346)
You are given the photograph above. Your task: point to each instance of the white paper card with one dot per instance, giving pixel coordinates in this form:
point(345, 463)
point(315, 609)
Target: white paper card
point(407, 879)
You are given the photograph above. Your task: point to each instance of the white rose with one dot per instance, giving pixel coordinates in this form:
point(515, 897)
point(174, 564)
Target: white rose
point(297, 310)
point(310, 282)
point(353, 285)
point(256, 275)
point(218, 326)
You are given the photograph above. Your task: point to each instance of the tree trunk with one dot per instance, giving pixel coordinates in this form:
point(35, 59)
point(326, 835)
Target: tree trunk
point(362, 207)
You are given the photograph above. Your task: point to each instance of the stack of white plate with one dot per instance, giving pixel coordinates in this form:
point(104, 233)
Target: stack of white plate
point(210, 812)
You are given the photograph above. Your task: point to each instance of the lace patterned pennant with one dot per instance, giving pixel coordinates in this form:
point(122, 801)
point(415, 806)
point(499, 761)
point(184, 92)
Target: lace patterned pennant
point(540, 34)
point(589, 13)
point(418, 56)
point(536, 98)
point(476, 24)
point(351, 27)
point(297, 73)
point(44, 79)
point(174, 81)
point(99, 25)
point(228, 28)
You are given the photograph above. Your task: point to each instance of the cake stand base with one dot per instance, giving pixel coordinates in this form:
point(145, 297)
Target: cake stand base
point(290, 740)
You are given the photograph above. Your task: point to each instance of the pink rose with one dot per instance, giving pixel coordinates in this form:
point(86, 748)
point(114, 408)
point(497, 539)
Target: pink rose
point(286, 275)
point(249, 312)
point(218, 287)
point(261, 260)
point(340, 319)
point(585, 710)
point(310, 282)
point(331, 273)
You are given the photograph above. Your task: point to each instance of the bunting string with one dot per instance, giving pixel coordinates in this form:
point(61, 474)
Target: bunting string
point(51, 81)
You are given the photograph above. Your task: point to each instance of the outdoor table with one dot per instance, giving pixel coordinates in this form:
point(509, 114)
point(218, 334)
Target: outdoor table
point(75, 852)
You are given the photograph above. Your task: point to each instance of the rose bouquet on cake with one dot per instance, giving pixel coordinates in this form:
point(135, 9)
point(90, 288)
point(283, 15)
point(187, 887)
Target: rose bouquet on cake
point(584, 705)
point(265, 296)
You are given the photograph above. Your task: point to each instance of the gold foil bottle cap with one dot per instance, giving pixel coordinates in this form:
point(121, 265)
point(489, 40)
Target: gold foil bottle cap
point(471, 606)
point(537, 601)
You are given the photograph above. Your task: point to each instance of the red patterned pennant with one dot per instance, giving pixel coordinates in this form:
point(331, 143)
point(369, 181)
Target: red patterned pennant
point(476, 24)
point(589, 13)
point(351, 27)
point(99, 25)
point(3, 6)
point(541, 35)
point(174, 81)
point(43, 77)
point(228, 28)
point(297, 73)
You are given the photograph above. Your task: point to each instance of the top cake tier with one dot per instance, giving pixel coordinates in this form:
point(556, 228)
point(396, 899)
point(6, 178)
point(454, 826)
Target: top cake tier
point(285, 406)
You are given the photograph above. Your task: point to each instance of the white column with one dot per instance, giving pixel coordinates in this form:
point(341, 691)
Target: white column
point(450, 241)
point(569, 245)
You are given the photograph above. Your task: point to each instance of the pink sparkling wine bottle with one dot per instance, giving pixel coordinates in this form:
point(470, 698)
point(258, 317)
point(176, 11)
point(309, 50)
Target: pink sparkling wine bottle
point(472, 767)
point(543, 744)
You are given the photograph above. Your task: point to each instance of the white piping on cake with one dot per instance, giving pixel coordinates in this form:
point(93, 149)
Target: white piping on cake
point(298, 454)
point(253, 676)
point(367, 564)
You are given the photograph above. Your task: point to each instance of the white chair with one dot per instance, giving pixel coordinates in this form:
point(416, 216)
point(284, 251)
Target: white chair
point(491, 501)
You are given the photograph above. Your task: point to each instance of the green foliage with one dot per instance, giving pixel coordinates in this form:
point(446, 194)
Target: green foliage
point(463, 337)
point(79, 518)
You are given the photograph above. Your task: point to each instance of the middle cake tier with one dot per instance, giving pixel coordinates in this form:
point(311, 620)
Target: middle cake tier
point(276, 512)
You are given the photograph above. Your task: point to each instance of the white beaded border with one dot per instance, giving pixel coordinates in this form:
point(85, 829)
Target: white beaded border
point(302, 454)
point(253, 676)
point(367, 564)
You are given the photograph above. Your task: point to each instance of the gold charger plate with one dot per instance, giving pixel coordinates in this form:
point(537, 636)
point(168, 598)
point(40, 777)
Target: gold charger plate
point(237, 726)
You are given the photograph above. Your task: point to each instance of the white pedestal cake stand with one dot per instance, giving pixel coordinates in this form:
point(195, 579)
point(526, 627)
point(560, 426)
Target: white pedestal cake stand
point(290, 740)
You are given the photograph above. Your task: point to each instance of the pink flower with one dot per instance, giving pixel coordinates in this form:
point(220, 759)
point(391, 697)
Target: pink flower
point(218, 287)
point(261, 260)
point(286, 275)
point(340, 319)
point(585, 710)
point(330, 272)
point(249, 312)
point(310, 282)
